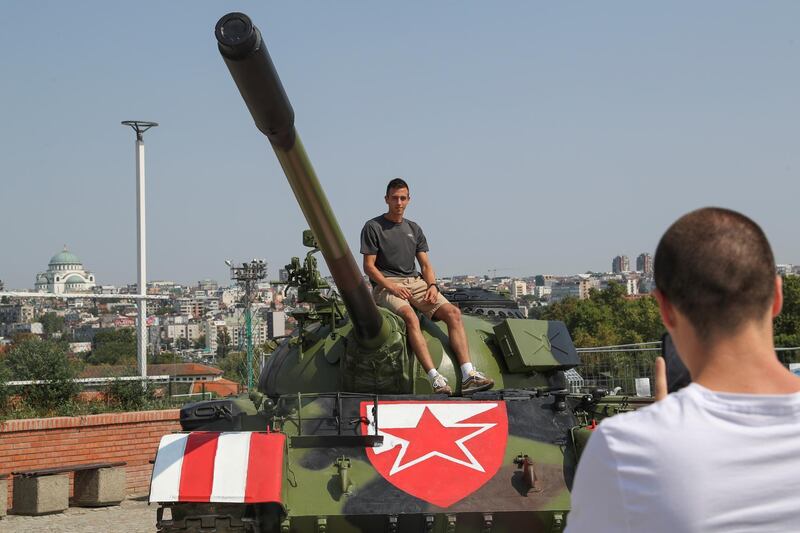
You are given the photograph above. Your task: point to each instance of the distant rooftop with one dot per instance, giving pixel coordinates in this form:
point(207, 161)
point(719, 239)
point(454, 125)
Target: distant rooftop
point(221, 387)
point(172, 370)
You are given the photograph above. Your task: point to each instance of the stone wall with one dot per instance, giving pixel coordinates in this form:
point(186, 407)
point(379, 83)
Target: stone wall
point(53, 442)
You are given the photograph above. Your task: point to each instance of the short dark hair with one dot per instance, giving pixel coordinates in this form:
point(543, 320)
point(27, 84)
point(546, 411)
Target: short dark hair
point(397, 183)
point(716, 267)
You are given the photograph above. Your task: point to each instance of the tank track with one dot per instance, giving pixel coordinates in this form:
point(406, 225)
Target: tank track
point(203, 518)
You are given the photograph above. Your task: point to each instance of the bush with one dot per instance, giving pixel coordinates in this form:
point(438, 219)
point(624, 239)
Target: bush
point(130, 395)
point(46, 361)
point(234, 366)
point(4, 392)
point(607, 318)
point(113, 347)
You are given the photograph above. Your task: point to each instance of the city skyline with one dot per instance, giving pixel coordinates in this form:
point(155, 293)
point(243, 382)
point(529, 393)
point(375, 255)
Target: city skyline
point(535, 137)
point(274, 274)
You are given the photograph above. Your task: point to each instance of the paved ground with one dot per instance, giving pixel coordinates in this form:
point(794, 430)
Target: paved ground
point(132, 516)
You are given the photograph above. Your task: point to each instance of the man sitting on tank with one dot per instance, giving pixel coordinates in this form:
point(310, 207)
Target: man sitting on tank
point(391, 244)
point(720, 455)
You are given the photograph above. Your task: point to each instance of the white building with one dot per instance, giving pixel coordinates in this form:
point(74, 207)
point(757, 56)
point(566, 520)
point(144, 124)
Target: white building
point(65, 273)
point(542, 291)
point(632, 286)
point(517, 289)
point(573, 288)
point(181, 327)
point(80, 347)
point(211, 329)
point(276, 324)
point(35, 328)
point(266, 325)
point(10, 313)
point(229, 297)
point(196, 307)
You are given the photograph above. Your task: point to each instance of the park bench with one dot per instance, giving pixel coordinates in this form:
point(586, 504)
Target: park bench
point(46, 490)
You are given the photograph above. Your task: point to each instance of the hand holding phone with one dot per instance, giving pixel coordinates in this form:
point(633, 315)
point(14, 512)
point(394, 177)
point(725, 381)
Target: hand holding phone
point(677, 374)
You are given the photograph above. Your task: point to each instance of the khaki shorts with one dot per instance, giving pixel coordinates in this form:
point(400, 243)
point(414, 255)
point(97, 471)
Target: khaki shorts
point(418, 288)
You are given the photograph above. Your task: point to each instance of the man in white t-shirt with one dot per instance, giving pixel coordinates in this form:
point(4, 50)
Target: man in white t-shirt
point(722, 454)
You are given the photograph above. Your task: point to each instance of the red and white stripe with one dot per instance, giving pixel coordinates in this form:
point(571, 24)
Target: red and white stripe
point(236, 467)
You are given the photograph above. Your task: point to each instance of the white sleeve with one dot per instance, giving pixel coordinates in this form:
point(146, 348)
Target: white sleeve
point(597, 501)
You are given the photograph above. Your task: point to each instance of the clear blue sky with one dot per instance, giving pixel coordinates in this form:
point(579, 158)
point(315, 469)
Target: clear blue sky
point(536, 136)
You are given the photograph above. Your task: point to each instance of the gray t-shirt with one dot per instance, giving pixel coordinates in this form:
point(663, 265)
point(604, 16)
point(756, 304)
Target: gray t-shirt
point(394, 245)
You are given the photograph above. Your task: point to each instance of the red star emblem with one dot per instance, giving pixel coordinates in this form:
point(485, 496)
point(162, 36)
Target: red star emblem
point(438, 451)
point(445, 442)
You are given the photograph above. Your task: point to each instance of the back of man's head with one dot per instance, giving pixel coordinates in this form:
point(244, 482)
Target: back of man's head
point(716, 267)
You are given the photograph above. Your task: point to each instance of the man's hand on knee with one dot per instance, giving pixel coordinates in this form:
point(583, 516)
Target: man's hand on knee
point(399, 291)
point(432, 294)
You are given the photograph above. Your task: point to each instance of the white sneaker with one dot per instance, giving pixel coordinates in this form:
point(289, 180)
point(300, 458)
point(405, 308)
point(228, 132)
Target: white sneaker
point(440, 385)
point(476, 382)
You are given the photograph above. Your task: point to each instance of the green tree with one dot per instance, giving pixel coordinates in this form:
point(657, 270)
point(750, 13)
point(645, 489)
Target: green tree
point(47, 361)
point(607, 317)
point(51, 324)
point(646, 319)
point(131, 395)
point(234, 367)
point(18, 338)
point(199, 343)
point(164, 309)
point(535, 312)
point(181, 343)
point(223, 342)
point(114, 347)
point(166, 358)
point(787, 324)
point(5, 376)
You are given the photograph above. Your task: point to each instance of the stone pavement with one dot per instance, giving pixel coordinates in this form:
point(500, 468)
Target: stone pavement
point(132, 516)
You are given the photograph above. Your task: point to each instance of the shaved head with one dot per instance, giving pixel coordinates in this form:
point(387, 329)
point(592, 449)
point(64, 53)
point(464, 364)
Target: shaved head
point(716, 267)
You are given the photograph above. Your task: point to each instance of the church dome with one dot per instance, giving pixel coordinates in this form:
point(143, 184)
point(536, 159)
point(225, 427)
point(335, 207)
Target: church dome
point(65, 257)
point(65, 273)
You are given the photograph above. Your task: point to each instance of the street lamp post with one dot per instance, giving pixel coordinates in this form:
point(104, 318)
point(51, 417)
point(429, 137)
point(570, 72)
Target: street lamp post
point(141, 239)
point(247, 276)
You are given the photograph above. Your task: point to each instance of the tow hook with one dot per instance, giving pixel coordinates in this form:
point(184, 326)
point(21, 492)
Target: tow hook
point(524, 462)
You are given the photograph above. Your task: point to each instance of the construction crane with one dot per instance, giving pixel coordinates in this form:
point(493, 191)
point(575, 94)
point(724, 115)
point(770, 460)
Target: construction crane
point(493, 271)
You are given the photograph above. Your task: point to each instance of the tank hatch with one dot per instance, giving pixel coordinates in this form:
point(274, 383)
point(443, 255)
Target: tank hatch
point(536, 345)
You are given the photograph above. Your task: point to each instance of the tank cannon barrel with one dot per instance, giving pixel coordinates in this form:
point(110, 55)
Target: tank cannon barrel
point(246, 57)
point(251, 67)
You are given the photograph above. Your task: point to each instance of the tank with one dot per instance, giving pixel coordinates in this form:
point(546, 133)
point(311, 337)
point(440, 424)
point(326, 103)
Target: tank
point(344, 433)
